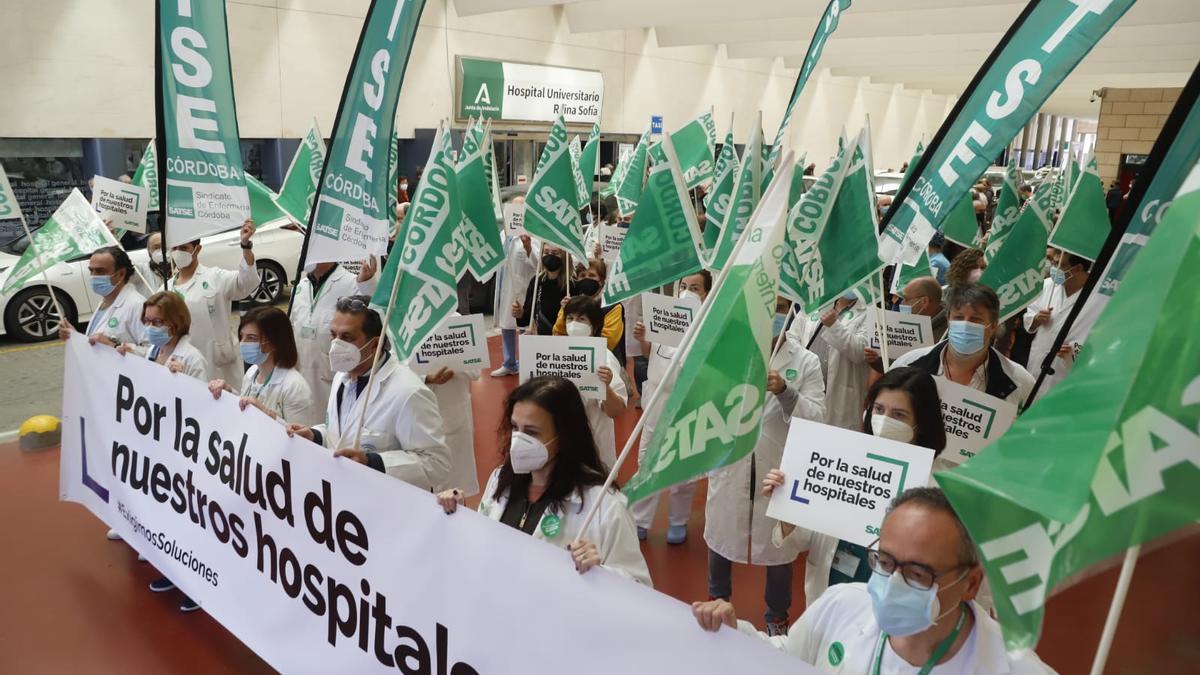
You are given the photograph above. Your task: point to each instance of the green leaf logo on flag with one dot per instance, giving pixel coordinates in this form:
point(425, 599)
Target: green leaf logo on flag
point(1016, 271)
point(1083, 225)
point(74, 230)
point(694, 145)
point(1008, 209)
point(299, 188)
point(480, 235)
point(716, 204)
point(551, 214)
point(747, 191)
point(146, 175)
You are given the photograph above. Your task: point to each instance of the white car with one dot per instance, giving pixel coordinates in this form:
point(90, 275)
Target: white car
point(28, 313)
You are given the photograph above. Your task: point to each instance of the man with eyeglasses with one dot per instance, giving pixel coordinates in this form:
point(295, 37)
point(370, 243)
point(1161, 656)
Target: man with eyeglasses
point(917, 614)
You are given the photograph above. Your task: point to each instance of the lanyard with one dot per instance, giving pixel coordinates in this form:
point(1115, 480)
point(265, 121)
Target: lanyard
point(942, 648)
point(252, 392)
point(325, 284)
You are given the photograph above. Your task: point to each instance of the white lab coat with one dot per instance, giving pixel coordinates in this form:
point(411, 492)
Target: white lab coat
point(1054, 298)
point(285, 393)
point(310, 324)
point(403, 425)
point(736, 509)
point(604, 430)
point(680, 495)
point(847, 368)
point(186, 354)
point(454, 402)
point(612, 530)
point(121, 321)
point(210, 294)
point(1022, 381)
point(513, 278)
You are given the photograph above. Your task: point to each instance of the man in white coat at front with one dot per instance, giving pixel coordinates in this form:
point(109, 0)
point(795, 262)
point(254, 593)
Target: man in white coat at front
point(520, 263)
point(210, 293)
point(402, 433)
point(844, 330)
point(313, 303)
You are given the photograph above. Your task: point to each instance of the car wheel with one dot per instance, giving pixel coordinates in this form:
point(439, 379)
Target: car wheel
point(32, 317)
point(271, 280)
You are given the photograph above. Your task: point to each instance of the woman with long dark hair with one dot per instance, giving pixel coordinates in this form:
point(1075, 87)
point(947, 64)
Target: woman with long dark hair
point(551, 476)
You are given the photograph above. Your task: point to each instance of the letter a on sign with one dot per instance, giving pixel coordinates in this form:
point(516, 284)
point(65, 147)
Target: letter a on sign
point(483, 96)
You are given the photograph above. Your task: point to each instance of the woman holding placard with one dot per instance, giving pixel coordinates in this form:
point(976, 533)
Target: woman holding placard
point(272, 383)
point(902, 405)
point(586, 319)
point(591, 284)
point(551, 475)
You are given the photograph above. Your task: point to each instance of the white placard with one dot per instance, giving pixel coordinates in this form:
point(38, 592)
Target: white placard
point(124, 203)
point(571, 358)
point(458, 343)
point(840, 482)
point(667, 318)
point(611, 237)
point(906, 332)
point(514, 218)
point(296, 553)
point(972, 419)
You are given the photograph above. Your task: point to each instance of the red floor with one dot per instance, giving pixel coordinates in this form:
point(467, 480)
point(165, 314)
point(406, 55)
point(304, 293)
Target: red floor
point(76, 602)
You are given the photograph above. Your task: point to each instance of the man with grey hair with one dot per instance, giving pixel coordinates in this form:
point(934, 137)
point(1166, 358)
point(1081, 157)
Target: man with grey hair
point(967, 356)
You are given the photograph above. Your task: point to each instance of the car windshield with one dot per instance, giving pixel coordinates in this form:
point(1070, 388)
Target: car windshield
point(16, 246)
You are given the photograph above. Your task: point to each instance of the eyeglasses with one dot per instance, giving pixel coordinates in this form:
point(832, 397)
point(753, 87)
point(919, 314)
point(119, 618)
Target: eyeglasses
point(919, 576)
point(157, 323)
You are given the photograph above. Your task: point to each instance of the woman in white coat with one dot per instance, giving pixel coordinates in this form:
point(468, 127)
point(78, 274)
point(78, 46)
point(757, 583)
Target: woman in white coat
point(520, 263)
point(844, 330)
point(453, 391)
point(736, 514)
point(586, 319)
point(272, 384)
point(550, 478)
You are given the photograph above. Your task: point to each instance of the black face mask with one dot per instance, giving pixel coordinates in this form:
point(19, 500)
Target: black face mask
point(586, 287)
point(552, 262)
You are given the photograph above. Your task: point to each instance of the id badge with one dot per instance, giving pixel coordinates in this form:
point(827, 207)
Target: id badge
point(308, 332)
point(846, 563)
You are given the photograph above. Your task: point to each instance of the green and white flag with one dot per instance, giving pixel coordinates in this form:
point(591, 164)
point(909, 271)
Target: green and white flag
point(489, 165)
point(747, 191)
point(1083, 225)
point(393, 194)
point(714, 413)
point(263, 208)
point(300, 184)
point(717, 202)
point(834, 229)
point(663, 242)
point(694, 145)
point(74, 230)
point(923, 268)
point(633, 179)
point(1109, 458)
point(618, 174)
point(1008, 209)
point(1016, 271)
point(1040, 50)
point(480, 235)
point(427, 256)
point(582, 193)
point(206, 185)
point(550, 210)
point(961, 226)
point(351, 218)
point(789, 285)
point(9, 208)
point(146, 175)
point(589, 159)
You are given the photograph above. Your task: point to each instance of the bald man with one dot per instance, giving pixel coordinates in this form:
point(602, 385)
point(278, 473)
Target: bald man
point(921, 296)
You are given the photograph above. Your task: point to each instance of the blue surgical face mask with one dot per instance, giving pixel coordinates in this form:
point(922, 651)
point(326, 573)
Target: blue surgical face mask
point(965, 337)
point(900, 609)
point(1058, 276)
point(778, 325)
point(849, 295)
point(102, 284)
point(905, 309)
point(157, 335)
point(252, 353)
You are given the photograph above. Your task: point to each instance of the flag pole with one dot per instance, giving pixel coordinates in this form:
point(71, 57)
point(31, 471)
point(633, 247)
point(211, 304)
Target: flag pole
point(387, 315)
point(537, 278)
point(883, 339)
point(37, 253)
point(1114, 610)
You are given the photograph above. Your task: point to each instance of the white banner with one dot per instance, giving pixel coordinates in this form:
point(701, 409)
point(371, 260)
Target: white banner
point(906, 332)
point(667, 318)
point(514, 218)
point(571, 358)
point(972, 419)
point(322, 565)
point(611, 237)
point(458, 343)
point(123, 203)
point(840, 482)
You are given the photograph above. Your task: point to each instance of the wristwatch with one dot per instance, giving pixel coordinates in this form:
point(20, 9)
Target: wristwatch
point(247, 245)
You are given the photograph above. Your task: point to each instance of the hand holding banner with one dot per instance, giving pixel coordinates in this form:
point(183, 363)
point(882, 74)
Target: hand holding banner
point(667, 318)
point(122, 203)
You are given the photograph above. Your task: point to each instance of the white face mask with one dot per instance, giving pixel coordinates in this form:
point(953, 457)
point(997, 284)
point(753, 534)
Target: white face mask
point(310, 267)
point(891, 429)
point(156, 256)
point(181, 259)
point(526, 453)
point(343, 356)
point(578, 329)
point(975, 275)
point(685, 294)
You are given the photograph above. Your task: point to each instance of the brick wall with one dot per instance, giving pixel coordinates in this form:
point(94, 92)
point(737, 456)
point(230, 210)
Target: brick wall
point(1130, 120)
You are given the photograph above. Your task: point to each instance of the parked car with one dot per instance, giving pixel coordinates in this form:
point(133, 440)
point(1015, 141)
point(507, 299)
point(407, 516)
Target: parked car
point(29, 315)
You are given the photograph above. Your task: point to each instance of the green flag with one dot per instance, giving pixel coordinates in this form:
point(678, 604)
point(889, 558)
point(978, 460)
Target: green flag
point(1016, 271)
point(263, 207)
point(299, 187)
point(714, 413)
point(1110, 457)
point(663, 242)
point(427, 257)
point(393, 186)
point(74, 230)
point(489, 166)
point(789, 285)
point(618, 174)
point(589, 159)
point(550, 210)
point(480, 235)
point(747, 190)
point(923, 268)
point(582, 193)
point(633, 179)
point(1083, 225)
point(961, 226)
point(716, 204)
point(146, 175)
point(694, 145)
point(1008, 209)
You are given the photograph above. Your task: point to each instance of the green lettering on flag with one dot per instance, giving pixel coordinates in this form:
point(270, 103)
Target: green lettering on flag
point(716, 204)
point(300, 184)
point(489, 165)
point(618, 174)
point(1008, 209)
point(551, 213)
point(582, 193)
point(480, 236)
point(1083, 225)
point(633, 179)
point(393, 184)
point(351, 218)
point(146, 175)
point(663, 242)
point(1015, 273)
point(789, 285)
point(206, 188)
point(1051, 38)
point(923, 268)
point(73, 231)
point(714, 413)
point(747, 190)
point(694, 145)
point(1110, 457)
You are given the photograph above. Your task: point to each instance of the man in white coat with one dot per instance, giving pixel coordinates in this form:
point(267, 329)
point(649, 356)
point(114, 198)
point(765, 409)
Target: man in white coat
point(520, 262)
point(453, 391)
point(1045, 316)
point(402, 432)
point(736, 519)
point(210, 293)
point(118, 319)
point(844, 331)
point(313, 303)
